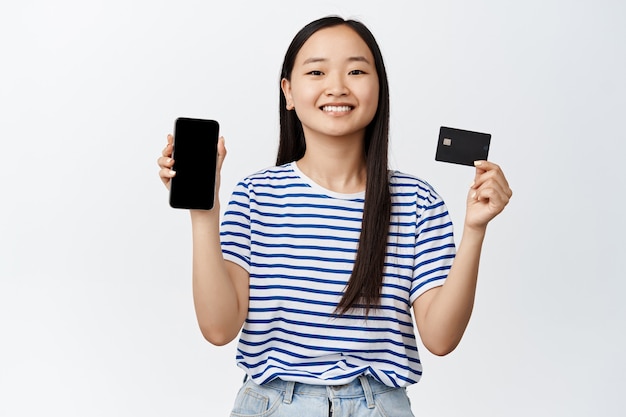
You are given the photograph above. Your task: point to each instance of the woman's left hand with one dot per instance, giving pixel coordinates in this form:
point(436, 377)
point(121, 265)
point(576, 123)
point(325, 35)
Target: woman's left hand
point(488, 195)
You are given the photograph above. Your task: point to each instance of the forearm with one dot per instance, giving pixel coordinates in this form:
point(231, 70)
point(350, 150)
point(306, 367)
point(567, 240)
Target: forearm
point(450, 309)
point(215, 294)
point(442, 314)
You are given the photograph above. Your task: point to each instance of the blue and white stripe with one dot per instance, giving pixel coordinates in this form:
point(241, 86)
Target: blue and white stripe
point(298, 241)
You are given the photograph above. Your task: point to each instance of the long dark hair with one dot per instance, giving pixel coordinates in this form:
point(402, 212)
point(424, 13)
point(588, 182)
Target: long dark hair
point(365, 285)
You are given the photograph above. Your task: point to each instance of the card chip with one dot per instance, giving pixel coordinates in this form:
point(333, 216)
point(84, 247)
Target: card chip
point(447, 142)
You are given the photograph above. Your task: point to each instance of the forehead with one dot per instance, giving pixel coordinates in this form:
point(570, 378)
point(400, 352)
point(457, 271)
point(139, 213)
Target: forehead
point(334, 43)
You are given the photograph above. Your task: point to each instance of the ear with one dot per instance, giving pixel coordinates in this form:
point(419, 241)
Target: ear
point(285, 85)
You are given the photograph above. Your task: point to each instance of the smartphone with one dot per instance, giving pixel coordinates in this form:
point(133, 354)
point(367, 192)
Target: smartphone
point(195, 161)
point(460, 146)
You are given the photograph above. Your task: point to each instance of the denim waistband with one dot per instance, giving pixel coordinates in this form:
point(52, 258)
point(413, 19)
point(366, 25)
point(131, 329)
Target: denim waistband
point(364, 385)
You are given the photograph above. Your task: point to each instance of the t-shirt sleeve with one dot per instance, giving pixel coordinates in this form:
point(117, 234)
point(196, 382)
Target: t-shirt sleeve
point(235, 229)
point(434, 245)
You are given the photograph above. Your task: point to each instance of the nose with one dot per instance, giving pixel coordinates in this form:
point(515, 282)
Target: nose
point(336, 85)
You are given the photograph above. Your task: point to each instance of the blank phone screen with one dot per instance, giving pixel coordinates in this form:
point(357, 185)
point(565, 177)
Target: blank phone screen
point(195, 158)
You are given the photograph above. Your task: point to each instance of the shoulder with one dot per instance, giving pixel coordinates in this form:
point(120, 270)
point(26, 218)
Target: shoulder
point(267, 183)
point(272, 177)
point(404, 184)
point(281, 173)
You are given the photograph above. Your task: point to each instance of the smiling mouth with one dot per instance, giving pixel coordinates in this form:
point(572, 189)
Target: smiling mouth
point(337, 108)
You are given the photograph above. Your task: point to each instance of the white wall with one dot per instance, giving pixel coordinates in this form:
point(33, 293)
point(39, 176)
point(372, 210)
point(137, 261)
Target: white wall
point(96, 316)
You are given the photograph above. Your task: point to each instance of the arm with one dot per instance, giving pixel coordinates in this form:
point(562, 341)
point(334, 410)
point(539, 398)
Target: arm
point(220, 288)
point(442, 313)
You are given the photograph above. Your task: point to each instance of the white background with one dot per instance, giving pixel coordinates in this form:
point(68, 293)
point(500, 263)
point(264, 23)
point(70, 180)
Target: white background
point(96, 314)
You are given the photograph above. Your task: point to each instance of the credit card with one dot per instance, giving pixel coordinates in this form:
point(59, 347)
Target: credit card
point(463, 147)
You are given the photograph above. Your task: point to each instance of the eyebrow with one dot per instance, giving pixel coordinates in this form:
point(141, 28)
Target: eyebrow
point(351, 59)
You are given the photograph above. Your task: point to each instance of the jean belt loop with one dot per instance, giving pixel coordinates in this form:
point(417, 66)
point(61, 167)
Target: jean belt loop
point(367, 390)
point(289, 392)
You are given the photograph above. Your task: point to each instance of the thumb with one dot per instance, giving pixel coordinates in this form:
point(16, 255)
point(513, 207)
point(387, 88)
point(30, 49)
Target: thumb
point(221, 152)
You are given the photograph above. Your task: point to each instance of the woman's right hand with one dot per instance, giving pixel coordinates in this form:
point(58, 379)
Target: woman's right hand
point(166, 163)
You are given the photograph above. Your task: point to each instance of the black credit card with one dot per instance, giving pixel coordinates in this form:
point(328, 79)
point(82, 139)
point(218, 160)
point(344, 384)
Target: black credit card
point(462, 146)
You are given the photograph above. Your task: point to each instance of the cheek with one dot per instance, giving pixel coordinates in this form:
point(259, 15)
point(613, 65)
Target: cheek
point(372, 99)
point(301, 92)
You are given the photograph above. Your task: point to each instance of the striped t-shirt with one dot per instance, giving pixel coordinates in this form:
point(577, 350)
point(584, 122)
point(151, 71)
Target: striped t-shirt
point(298, 241)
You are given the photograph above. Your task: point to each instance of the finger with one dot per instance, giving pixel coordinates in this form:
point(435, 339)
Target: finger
point(477, 174)
point(166, 175)
point(483, 167)
point(167, 151)
point(489, 189)
point(486, 171)
point(492, 196)
point(486, 165)
point(494, 199)
point(493, 175)
point(165, 162)
point(221, 152)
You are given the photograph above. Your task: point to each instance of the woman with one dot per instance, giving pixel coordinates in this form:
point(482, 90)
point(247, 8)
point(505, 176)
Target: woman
point(321, 257)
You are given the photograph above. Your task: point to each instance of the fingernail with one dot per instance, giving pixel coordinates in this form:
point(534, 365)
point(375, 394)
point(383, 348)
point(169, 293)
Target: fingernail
point(473, 184)
point(474, 196)
point(169, 160)
point(477, 163)
point(172, 172)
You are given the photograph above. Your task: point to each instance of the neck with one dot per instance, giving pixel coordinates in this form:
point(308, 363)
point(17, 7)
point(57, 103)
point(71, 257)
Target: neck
point(337, 164)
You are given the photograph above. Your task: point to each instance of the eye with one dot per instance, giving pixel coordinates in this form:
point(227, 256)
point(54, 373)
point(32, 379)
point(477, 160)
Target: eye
point(356, 72)
point(315, 72)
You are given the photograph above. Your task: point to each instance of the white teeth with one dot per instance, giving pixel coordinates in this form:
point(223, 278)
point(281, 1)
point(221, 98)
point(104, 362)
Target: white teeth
point(336, 108)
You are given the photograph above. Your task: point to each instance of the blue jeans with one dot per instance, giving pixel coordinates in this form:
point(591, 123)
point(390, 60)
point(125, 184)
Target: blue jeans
point(363, 397)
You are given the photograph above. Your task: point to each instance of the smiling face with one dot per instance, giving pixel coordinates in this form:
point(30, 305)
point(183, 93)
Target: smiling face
point(334, 84)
